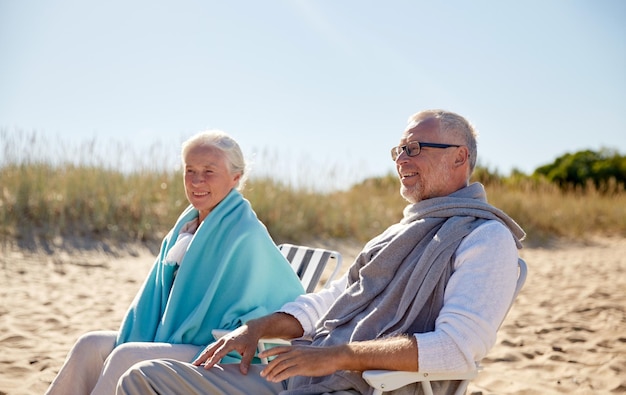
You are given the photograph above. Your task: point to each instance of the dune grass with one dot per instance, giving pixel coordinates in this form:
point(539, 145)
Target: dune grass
point(43, 199)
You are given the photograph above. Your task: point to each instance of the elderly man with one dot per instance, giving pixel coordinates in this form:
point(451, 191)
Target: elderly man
point(427, 294)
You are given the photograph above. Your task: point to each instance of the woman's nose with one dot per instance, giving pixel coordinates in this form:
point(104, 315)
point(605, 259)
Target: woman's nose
point(197, 178)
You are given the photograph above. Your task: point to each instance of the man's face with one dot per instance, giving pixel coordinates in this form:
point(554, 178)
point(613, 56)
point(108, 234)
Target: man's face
point(428, 174)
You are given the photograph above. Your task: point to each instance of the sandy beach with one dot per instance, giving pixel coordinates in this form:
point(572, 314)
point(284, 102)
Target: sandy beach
point(566, 333)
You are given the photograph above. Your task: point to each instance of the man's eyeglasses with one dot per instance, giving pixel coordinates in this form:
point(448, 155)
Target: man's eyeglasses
point(413, 148)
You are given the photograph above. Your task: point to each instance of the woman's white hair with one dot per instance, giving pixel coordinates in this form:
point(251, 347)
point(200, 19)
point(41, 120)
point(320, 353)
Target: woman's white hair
point(222, 141)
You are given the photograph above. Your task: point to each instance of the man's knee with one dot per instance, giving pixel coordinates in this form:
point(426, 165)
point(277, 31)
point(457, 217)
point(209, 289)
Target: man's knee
point(135, 379)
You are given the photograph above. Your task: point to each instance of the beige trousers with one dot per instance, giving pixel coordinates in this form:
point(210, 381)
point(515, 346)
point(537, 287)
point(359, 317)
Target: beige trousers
point(169, 377)
point(94, 364)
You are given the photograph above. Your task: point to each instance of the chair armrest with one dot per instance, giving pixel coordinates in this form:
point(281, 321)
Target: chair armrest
point(218, 333)
point(261, 346)
point(389, 380)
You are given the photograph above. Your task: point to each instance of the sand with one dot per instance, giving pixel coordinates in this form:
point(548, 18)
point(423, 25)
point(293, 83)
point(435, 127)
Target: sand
point(566, 333)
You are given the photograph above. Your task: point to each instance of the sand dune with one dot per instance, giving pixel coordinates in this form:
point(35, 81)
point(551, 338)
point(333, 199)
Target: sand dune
point(566, 332)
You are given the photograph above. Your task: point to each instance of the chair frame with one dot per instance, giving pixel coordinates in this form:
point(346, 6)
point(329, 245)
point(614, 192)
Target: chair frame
point(309, 264)
point(387, 380)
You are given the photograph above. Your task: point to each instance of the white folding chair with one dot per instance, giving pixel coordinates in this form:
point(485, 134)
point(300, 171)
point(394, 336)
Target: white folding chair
point(387, 380)
point(309, 264)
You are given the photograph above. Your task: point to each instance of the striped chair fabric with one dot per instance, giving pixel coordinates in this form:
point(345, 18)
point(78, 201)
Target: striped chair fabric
point(309, 263)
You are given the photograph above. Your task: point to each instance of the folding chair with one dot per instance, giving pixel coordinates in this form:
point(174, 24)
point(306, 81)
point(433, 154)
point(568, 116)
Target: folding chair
point(388, 380)
point(309, 264)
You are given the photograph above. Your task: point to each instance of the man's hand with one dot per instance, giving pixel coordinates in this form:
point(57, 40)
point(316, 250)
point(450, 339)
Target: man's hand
point(394, 353)
point(301, 361)
point(245, 339)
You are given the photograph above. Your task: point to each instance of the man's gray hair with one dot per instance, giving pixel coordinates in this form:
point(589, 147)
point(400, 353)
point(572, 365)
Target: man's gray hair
point(454, 124)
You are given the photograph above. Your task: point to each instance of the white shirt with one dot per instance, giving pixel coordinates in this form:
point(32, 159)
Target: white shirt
point(176, 254)
point(476, 299)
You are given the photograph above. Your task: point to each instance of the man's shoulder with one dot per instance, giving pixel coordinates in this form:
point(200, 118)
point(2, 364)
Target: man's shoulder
point(488, 245)
point(491, 232)
point(492, 225)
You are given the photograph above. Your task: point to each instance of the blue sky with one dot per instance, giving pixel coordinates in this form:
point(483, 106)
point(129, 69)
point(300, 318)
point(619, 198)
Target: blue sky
point(316, 90)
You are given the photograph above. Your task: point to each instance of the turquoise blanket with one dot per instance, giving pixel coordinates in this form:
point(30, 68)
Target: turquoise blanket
point(232, 272)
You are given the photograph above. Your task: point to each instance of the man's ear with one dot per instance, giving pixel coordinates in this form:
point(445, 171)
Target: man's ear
point(462, 156)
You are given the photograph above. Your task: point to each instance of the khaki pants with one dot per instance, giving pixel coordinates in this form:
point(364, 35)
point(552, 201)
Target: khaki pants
point(169, 377)
point(93, 365)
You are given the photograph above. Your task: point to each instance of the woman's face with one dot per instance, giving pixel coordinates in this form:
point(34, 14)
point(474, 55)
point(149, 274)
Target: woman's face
point(207, 178)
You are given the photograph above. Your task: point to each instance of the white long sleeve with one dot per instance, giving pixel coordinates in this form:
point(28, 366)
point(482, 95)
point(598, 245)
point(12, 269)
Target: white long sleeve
point(309, 308)
point(476, 299)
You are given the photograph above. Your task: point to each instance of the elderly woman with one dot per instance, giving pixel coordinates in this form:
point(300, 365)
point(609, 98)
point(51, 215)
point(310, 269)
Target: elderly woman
point(218, 268)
